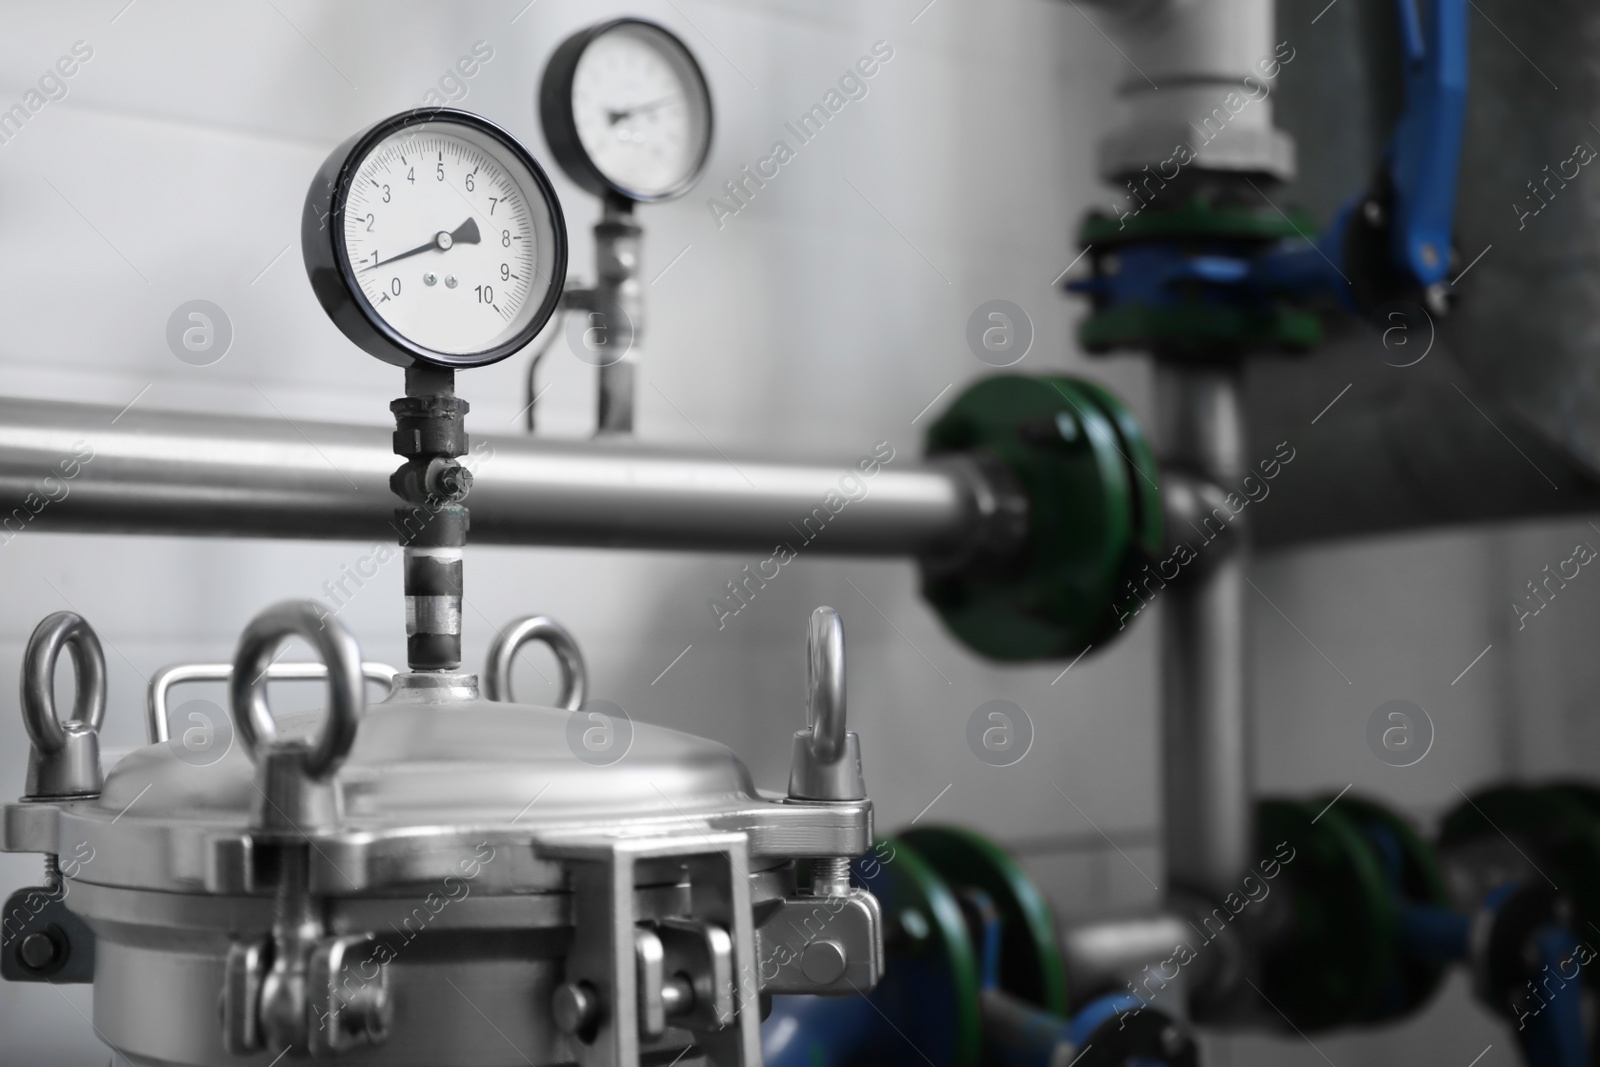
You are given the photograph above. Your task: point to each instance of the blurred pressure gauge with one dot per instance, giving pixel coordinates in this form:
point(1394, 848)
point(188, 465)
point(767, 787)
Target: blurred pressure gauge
point(626, 111)
point(434, 237)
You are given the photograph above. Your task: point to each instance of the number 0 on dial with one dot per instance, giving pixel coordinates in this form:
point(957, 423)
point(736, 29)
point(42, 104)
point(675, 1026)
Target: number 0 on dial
point(434, 237)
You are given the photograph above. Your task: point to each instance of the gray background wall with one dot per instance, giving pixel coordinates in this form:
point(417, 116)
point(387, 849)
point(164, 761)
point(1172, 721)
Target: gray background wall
point(822, 318)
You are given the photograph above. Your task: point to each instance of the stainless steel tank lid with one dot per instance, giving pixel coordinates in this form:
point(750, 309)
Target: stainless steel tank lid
point(424, 782)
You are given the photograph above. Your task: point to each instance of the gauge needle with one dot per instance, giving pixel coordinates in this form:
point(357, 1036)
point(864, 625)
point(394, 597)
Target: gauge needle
point(465, 234)
point(616, 115)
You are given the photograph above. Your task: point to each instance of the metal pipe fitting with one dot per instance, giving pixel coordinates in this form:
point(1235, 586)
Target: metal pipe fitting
point(618, 300)
point(1106, 956)
point(430, 433)
point(1202, 78)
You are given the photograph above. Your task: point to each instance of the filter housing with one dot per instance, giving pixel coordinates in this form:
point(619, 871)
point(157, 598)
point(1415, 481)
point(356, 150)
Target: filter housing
point(451, 879)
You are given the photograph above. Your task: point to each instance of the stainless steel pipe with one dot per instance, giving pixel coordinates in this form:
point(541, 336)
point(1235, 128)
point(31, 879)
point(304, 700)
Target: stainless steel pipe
point(1209, 801)
point(1112, 955)
point(88, 468)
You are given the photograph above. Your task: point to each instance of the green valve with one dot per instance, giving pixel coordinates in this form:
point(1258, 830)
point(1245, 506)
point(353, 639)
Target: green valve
point(1094, 517)
point(1416, 878)
point(1335, 962)
point(1031, 966)
point(931, 983)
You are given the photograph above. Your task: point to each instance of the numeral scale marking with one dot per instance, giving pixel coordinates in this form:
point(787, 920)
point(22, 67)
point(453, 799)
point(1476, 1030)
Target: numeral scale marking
point(359, 200)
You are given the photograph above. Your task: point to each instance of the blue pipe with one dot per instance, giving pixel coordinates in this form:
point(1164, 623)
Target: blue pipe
point(1554, 1031)
point(1017, 1034)
point(1437, 935)
point(815, 1031)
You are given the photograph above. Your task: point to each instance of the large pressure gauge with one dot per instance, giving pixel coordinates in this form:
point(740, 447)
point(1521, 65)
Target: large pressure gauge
point(626, 111)
point(434, 237)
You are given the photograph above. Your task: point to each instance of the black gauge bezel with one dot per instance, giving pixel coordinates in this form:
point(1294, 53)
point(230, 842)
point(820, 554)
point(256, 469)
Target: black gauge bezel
point(322, 243)
point(561, 129)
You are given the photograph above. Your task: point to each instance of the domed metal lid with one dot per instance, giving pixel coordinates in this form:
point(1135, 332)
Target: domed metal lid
point(399, 793)
point(462, 759)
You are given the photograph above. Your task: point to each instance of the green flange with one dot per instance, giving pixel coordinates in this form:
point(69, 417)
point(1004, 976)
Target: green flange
point(930, 983)
point(1555, 829)
point(1095, 517)
point(1412, 870)
point(1336, 961)
point(1031, 966)
point(1196, 328)
point(1196, 220)
point(1200, 331)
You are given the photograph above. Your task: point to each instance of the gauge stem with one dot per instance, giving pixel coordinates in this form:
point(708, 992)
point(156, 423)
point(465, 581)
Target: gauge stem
point(618, 308)
point(430, 433)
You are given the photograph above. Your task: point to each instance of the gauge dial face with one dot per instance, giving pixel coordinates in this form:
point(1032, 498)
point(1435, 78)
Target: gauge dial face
point(450, 238)
point(640, 110)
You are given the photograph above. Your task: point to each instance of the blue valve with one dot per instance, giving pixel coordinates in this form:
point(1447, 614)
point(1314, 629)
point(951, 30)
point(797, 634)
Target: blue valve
point(949, 965)
point(1515, 921)
point(1394, 240)
point(1525, 963)
point(1425, 155)
point(1214, 278)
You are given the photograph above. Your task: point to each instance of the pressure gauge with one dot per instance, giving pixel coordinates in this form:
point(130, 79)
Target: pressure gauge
point(626, 111)
point(434, 237)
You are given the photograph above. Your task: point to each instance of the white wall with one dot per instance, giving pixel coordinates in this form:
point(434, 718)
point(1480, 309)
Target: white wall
point(822, 318)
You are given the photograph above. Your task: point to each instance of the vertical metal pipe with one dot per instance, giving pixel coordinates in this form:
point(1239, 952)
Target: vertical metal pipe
point(619, 305)
point(430, 434)
point(1202, 78)
point(1210, 826)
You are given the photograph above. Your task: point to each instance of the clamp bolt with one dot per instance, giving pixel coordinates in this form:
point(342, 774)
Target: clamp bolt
point(39, 951)
point(823, 962)
point(576, 1009)
point(367, 1015)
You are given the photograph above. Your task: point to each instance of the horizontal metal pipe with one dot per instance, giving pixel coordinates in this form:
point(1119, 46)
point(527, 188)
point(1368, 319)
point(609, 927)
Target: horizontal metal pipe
point(88, 468)
point(1110, 954)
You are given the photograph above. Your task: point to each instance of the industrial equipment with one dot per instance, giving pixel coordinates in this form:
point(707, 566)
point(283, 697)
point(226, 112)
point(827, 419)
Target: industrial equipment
point(469, 293)
point(1374, 914)
point(626, 111)
point(627, 114)
point(351, 884)
point(974, 974)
